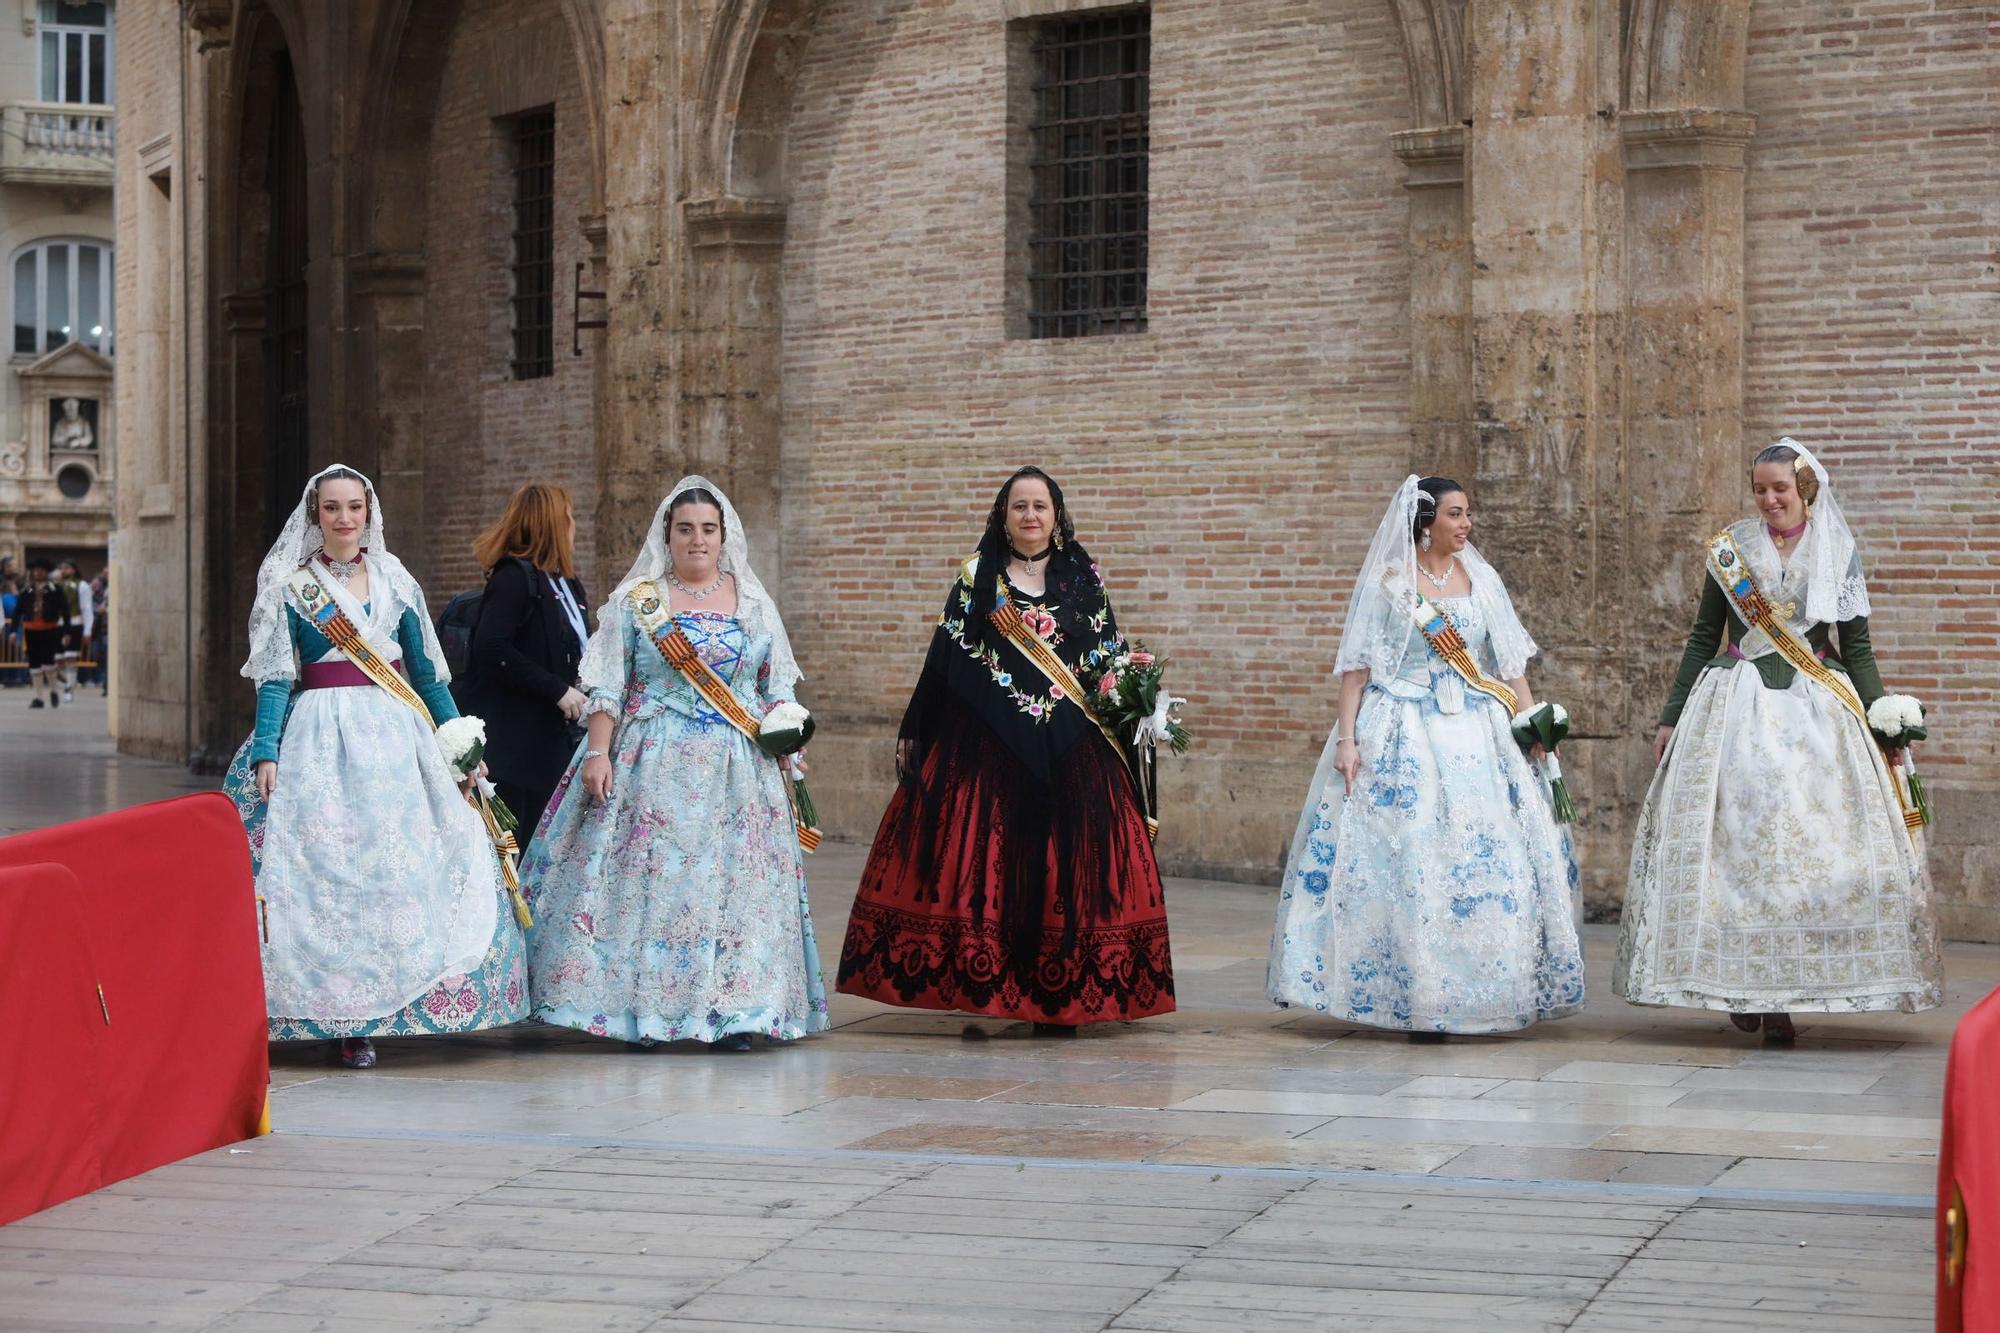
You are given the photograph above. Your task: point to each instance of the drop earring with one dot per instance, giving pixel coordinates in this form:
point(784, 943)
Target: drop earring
point(1427, 539)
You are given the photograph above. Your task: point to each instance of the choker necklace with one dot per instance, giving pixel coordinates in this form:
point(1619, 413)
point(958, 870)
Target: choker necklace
point(344, 570)
point(1030, 560)
point(1440, 582)
point(1780, 537)
point(697, 593)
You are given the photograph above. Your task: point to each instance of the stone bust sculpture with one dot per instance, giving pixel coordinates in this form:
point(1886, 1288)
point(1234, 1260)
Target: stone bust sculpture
point(71, 430)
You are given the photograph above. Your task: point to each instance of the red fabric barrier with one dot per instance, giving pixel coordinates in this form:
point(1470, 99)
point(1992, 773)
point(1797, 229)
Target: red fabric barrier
point(50, 1045)
point(1968, 1208)
point(167, 915)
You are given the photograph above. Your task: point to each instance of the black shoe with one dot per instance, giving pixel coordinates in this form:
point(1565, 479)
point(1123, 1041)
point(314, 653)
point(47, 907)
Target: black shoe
point(36, 703)
point(1055, 1030)
point(54, 700)
point(1427, 1038)
point(735, 1041)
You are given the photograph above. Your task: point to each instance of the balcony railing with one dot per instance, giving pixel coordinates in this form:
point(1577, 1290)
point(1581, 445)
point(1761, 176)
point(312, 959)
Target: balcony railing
point(56, 143)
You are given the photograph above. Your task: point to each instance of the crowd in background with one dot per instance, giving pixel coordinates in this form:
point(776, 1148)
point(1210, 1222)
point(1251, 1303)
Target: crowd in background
point(54, 635)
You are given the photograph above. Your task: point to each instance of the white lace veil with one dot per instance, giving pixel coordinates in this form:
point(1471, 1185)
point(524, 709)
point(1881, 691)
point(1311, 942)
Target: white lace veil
point(1379, 634)
point(1836, 589)
point(604, 658)
point(391, 589)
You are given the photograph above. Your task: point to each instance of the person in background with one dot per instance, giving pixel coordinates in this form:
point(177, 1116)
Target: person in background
point(99, 632)
point(526, 648)
point(45, 629)
point(11, 649)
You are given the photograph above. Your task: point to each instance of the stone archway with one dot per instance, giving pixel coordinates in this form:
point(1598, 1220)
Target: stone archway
point(258, 348)
point(393, 197)
point(733, 222)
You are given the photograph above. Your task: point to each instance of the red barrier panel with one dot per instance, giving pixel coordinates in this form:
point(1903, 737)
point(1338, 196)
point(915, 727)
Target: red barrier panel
point(50, 1047)
point(1968, 1209)
point(167, 914)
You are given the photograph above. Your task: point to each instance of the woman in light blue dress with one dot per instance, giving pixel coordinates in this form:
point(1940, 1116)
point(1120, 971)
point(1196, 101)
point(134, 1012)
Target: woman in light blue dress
point(382, 912)
point(667, 878)
point(1429, 888)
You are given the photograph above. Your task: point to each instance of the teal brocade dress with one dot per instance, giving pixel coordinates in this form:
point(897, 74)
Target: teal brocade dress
point(374, 870)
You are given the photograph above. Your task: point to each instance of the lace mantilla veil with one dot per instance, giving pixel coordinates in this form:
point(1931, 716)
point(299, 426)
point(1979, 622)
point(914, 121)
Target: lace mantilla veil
point(1836, 589)
point(605, 657)
point(391, 591)
point(1378, 635)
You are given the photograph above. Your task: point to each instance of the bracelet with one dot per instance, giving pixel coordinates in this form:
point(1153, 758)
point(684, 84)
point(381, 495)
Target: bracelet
point(593, 754)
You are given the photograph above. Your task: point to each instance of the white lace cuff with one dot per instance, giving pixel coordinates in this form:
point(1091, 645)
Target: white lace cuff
point(600, 703)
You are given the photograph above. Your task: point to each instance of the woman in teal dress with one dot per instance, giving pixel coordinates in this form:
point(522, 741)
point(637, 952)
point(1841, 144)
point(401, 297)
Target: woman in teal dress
point(667, 878)
point(381, 905)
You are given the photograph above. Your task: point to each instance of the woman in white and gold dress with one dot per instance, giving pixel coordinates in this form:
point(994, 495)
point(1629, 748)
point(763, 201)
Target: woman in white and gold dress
point(1774, 870)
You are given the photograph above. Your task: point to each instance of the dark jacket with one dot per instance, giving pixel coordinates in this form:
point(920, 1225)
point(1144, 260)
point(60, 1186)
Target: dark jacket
point(523, 656)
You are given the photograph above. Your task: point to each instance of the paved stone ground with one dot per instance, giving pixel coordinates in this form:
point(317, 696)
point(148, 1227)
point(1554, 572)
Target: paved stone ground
point(1228, 1167)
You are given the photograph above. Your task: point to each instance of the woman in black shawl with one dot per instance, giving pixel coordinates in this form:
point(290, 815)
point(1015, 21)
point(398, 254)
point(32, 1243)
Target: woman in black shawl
point(1013, 874)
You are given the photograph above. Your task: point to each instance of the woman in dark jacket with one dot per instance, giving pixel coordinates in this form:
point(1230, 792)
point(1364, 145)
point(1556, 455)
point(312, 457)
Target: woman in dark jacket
point(526, 647)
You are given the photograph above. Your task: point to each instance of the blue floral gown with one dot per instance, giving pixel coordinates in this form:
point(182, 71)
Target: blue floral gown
point(366, 855)
point(676, 910)
point(1437, 897)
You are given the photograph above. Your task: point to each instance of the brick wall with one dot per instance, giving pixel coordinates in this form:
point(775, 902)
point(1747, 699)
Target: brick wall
point(1873, 293)
point(1226, 468)
point(487, 433)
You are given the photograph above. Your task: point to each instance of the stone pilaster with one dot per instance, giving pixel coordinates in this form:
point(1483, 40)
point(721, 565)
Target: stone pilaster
point(1441, 390)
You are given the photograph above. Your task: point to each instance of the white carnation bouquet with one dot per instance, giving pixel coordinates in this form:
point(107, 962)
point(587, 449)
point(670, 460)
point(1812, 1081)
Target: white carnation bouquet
point(783, 732)
point(1897, 721)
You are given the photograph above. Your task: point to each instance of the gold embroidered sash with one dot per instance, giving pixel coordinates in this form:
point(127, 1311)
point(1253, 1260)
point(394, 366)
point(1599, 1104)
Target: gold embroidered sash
point(323, 613)
point(657, 620)
point(1007, 619)
point(1448, 644)
point(1732, 571)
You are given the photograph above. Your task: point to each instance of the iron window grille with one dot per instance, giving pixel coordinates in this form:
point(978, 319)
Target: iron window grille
point(1088, 169)
point(533, 144)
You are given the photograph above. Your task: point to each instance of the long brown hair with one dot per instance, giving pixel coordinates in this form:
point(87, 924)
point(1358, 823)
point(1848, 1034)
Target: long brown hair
point(535, 528)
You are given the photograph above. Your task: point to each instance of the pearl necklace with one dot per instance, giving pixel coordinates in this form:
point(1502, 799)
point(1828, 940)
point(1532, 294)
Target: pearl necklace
point(697, 594)
point(1437, 581)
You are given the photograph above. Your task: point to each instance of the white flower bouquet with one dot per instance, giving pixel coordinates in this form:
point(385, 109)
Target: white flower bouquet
point(1897, 721)
point(462, 742)
point(783, 732)
point(1546, 725)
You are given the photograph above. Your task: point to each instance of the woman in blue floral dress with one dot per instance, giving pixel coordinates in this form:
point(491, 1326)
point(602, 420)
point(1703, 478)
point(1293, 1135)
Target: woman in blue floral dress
point(382, 909)
point(1429, 888)
point(667, 879)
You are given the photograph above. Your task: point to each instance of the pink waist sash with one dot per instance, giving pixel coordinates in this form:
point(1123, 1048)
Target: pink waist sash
point(335, 675)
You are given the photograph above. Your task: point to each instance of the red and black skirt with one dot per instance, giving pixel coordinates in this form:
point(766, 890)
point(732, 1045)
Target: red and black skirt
point(991, 891)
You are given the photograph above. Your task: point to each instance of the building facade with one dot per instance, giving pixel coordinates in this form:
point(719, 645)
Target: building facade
point(1229, 271)
point(57, 409)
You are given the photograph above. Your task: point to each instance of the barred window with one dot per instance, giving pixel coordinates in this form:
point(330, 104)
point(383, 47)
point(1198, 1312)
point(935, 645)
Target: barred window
point(532, 143)
point(1090, 140)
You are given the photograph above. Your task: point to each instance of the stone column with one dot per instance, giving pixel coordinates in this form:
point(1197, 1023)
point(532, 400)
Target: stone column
point(637, 358)
point(1441, 389)
point(1684, 460)
point(1534, 154)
